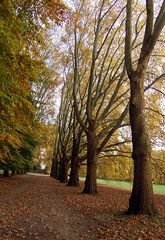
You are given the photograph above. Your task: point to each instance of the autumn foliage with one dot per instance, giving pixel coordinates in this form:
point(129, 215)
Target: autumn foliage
point(22, 33)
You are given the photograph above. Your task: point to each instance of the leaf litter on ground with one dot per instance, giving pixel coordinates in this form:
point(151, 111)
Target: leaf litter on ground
point(37, 207)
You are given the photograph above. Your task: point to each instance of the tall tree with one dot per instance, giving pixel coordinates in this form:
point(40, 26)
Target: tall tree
point(65, 121)
point(103, 81)
point(141, 200)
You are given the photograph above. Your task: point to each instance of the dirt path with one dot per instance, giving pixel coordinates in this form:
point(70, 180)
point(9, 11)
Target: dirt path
point(33, 209)
point(40, 208)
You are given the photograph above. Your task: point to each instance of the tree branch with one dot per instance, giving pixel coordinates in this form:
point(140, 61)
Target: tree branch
point(128, 39)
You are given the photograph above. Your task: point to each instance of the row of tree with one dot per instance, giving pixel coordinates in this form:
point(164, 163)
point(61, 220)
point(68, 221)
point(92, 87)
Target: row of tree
point(112, 62)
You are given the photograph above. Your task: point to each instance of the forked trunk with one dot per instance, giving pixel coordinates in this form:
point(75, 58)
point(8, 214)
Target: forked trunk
point(141, 200)
point(92, 155)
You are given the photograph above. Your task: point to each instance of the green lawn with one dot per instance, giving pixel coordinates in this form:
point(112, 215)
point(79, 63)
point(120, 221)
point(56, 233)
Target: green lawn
point(157, 188)
point(128, 185)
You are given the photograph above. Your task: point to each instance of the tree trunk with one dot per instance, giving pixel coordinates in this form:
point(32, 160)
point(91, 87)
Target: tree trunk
point(22, 171)
point(55, 169)
point(63, 173)
point(52, 169)
point(74, 178)
point(92, 155)
point(59, 172)
point(141, 200)
point(13, 172)
point(6, 173)
point(18, 171)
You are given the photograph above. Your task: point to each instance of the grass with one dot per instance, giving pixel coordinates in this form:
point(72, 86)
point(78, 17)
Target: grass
point(158, 189)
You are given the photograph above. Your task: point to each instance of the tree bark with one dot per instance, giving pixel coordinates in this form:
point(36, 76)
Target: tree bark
point(63, 173)
point(13, 172)
point(141, 200)
point(75, 161)
point(75, 165)
point(55, 169)
point(6, 173)
point(52, 169)
point(92, 156)
point(74, 177)
point(18, 171)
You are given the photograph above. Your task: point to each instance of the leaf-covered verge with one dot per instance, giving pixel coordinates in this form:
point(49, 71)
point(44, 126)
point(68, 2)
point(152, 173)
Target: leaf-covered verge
point(50, 210)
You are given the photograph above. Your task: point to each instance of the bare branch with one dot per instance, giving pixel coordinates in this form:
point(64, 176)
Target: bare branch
point(128, 39)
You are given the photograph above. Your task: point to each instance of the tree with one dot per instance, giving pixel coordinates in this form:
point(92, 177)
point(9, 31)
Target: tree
point(104, 81)
point(62, 153)
point(75, 159)
point(141, 200)
point(23, 32)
